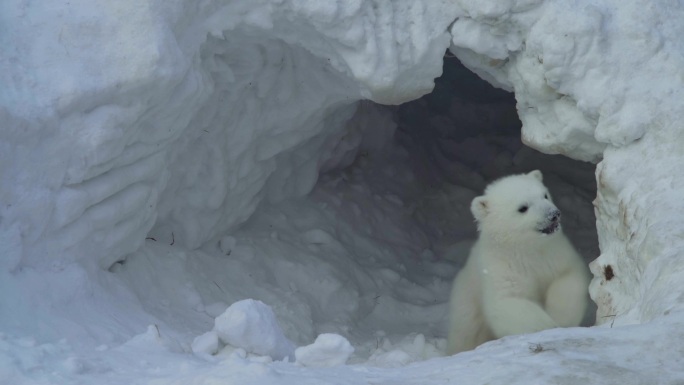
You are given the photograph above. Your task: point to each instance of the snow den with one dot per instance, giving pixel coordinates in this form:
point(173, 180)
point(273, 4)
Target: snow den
point(265, 191)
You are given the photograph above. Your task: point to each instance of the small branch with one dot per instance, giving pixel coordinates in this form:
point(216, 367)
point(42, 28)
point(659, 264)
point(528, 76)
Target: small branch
point(613, 321)
point(217, 285)
point(538, 348)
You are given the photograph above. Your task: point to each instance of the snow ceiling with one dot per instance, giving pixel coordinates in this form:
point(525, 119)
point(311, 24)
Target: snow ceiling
point(127, 120)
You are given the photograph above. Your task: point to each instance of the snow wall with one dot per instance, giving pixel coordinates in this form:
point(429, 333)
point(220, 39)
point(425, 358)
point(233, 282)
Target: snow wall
point(256, 93)
point(177, 119)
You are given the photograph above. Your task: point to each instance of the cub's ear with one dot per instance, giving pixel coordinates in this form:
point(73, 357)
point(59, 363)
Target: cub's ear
point(480, 208)
point(537, 174)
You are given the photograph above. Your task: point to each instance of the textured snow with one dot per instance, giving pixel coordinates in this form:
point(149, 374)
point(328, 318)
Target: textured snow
point(207, 343)
point(327, 351)
point(172, 129)
point(251, 325)
point(160, 161)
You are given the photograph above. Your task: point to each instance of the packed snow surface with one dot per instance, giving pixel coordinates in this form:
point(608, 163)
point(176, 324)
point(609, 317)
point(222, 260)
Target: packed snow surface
point(193, 193)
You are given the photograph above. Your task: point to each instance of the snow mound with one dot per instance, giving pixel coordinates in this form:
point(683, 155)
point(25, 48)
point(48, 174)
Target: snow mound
point(600, 81)
point(328, 350)
point(252, 326)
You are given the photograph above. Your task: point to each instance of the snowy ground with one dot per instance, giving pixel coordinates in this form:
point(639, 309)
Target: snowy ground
point(191, 192)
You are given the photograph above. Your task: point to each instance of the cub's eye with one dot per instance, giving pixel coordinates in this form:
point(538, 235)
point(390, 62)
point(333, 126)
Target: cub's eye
point(522, 209)
point(546, 196)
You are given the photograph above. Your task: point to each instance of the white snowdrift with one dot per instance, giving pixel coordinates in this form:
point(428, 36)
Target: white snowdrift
point(135, 133)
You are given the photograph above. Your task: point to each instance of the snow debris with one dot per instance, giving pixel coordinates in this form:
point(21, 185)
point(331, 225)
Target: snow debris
point(207, 343)
point(252, 326)
point(328, 350)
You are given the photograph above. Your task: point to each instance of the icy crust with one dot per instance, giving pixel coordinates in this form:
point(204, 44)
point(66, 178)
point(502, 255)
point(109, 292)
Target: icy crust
point(120, 116)
point(600, 80)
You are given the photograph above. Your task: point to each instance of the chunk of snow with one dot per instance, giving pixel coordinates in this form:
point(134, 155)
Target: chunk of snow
point(328, 350)
point(207, 343)
point(252, 325)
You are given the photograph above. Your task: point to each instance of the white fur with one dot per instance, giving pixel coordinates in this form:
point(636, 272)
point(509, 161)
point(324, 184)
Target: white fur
point(517, 279)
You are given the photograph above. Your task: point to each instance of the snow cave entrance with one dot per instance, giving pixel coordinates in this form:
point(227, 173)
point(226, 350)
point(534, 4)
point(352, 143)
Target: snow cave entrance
point(370, 253)
point(466, 133)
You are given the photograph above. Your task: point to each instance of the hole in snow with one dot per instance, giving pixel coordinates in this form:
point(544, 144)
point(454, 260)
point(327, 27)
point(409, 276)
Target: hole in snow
point(366, 249)
point(608, 272)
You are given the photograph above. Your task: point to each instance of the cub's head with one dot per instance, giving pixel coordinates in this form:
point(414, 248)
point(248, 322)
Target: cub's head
point(517, 206)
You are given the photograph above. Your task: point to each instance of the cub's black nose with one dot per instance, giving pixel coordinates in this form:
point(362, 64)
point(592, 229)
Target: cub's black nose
point(555, 215)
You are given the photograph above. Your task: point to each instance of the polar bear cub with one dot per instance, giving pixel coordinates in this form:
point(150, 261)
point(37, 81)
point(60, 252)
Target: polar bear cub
point(523, 275)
